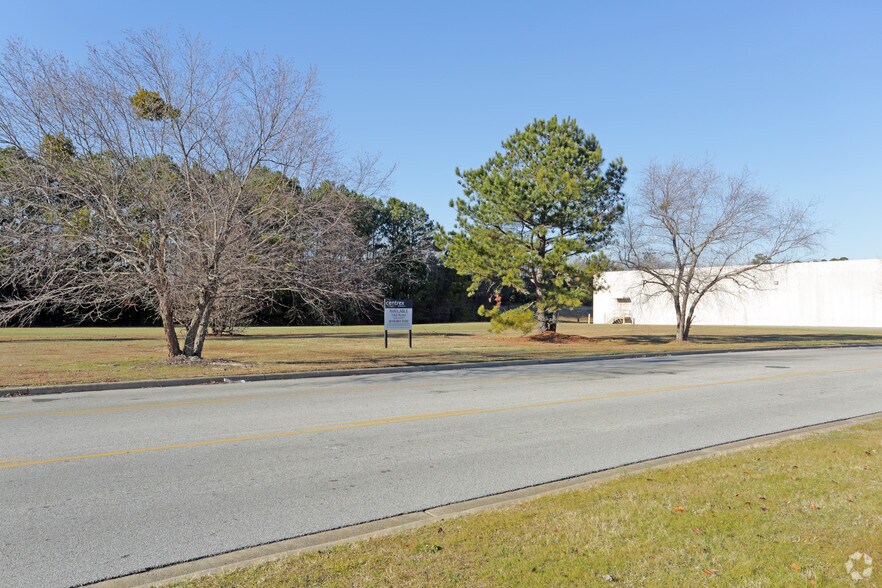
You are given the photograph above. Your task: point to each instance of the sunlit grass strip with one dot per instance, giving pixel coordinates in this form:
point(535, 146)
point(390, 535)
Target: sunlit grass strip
point(790, 514)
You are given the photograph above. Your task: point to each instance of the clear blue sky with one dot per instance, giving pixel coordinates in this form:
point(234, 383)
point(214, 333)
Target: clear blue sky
point(790, 90)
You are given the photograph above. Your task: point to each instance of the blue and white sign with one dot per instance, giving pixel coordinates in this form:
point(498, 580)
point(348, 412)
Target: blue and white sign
point(397, 315)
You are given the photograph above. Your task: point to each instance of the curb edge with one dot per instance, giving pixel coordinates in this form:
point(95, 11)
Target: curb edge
point(176, 382)
point(249, 556)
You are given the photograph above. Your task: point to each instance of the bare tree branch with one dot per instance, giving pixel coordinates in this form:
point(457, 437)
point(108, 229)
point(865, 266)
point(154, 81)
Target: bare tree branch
point(692, 230)
point(162, 173)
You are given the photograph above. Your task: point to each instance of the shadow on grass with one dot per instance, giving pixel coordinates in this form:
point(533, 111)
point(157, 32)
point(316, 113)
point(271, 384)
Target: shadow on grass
point(790, 338)
point(771, 338)
point(804, 338)
point(376, 335)
point(158, 339)
point(399, 360)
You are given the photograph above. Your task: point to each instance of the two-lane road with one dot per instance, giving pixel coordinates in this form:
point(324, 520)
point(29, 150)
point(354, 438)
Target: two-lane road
point(99, 484)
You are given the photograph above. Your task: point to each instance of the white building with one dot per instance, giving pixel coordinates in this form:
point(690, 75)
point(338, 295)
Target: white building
point(813, 294)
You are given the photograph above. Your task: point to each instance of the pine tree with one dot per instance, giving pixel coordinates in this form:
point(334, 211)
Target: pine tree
point(534, 218)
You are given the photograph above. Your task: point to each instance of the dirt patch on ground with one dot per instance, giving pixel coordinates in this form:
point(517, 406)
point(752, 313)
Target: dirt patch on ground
point(198, 361)
point(560, 338)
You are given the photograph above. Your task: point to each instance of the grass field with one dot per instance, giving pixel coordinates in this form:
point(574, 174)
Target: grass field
point(789, 514)
point(46, 356)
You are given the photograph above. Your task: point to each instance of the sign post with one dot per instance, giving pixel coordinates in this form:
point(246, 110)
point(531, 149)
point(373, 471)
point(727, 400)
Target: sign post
point(397, 316)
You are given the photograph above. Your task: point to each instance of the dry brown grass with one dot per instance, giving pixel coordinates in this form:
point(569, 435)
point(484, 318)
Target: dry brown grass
point(46, 356)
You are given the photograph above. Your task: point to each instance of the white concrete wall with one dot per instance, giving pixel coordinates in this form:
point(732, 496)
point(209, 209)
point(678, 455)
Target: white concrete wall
point(814, 294)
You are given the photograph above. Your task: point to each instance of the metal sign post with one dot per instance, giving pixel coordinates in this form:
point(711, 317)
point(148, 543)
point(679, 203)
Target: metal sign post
point(397, 316)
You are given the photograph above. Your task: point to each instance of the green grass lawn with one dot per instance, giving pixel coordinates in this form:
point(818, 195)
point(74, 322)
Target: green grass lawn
point(788, 514)
point(45, 356)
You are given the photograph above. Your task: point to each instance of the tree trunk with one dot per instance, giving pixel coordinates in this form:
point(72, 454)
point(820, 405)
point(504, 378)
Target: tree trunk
point(681, 332)
point(203, 328)
point(681, 309)
point(681, 326)
point(193, 325)
point(546, 321)
point(168, 324)
point(684, 324)
point(198, 327)
point(688, 326)
point(685, 318)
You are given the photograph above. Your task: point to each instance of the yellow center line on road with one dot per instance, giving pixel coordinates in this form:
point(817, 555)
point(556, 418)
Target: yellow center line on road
point(231, 399)
point(112, 409)
point(426, 417)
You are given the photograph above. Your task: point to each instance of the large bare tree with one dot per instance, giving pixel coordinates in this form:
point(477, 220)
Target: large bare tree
point(692, 230)
point(161, 172)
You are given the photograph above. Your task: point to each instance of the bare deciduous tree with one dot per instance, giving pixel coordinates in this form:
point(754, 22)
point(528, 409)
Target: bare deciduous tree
point(692, 230)
point(162, 172)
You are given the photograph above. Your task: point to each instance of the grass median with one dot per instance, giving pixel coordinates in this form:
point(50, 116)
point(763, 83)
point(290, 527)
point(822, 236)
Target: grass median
point(789, 514)
point(51, 356)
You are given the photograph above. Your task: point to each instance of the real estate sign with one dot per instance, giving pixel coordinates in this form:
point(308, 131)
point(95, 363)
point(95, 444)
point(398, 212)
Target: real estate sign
point(397, 314)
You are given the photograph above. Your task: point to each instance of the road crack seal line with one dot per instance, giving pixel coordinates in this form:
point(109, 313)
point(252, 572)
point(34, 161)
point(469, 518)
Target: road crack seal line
point(424, 417)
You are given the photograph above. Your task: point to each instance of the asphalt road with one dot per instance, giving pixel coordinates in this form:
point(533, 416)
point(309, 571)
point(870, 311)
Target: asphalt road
point(100, 484)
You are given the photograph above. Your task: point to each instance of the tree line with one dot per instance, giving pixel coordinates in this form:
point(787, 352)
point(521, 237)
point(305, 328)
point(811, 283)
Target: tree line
point(160, 178)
